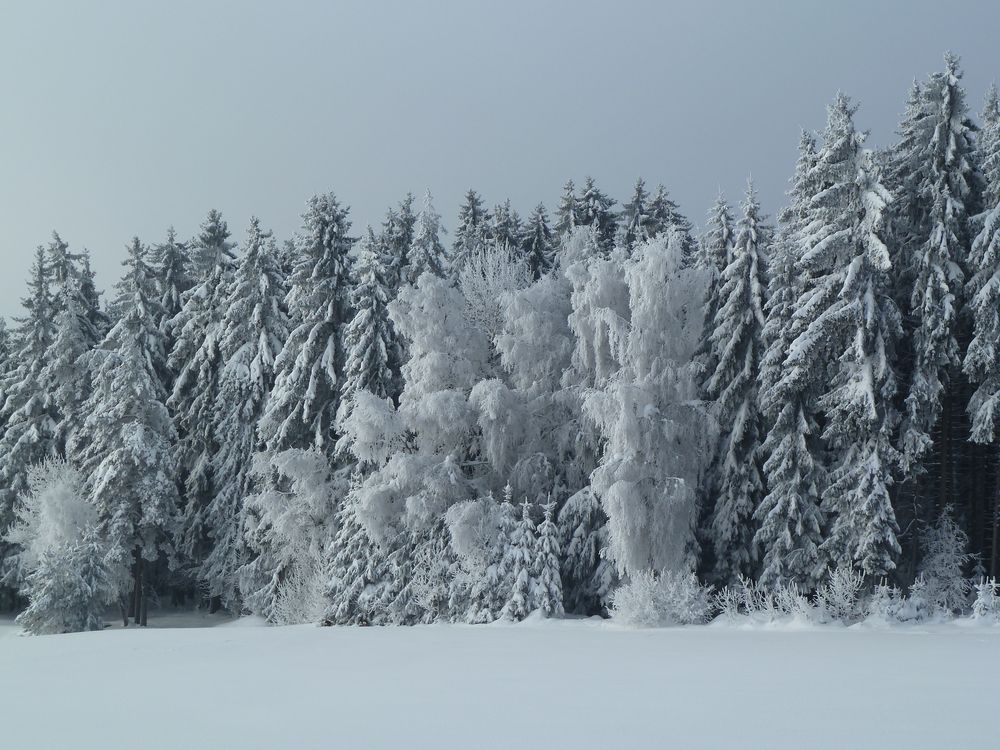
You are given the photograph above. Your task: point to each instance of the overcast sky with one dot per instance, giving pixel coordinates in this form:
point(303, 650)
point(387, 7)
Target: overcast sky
point(122, 117)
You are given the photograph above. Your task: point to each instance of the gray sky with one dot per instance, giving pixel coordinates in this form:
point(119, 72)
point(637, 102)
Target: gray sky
point(121, 117)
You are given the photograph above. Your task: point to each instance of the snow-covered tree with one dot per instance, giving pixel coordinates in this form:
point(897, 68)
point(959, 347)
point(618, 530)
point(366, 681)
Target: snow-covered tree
point(989, 147)
point(60, 563)
point(309, 382)
point(588, 578)
point(398, 233)
point(663, 215)
point(505, 225)
point(537, 242)
point(173, 280)
point(737, 345)
point(716, 253)
point(566, 212)
point(470, 231)
point(943, 566)
point(353, 571)
point(211, 249)
point(426, 253)
point(519, 560)
point(595, 208)
point(549, 590)
point(982, 360)
point(252, 330)
point(634, 220)
point(789, 517)
point(127, 439)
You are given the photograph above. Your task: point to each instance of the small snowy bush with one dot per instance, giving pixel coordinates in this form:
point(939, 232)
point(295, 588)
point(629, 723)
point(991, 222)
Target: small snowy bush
point(838, 598)
point(885, 604)
point(945, 558)
point(760, 603)
point(987, 604)
point(650, 600)
point(302, 596)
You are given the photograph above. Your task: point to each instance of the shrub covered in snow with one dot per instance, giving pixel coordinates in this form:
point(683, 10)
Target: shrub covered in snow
point(987, 604)
point(670, 598)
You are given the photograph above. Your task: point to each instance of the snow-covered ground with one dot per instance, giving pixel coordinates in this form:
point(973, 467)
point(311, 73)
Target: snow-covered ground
point(570, 684)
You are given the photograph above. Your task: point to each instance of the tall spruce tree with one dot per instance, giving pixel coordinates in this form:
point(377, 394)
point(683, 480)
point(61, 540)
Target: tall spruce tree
point(253, 328)
point(505, 226)
point(632, 223)
point(470, 232)
point(737, 345)
point(789, 518)
point(566, 212)
point(309, 381)
point(426, 253)
point(594, 208)
point(989, 148)
point(537, 243)
point(195, 364)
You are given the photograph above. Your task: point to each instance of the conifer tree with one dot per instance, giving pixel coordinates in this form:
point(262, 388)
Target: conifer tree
point(398, 232)
point(549, 592)
point(368, 338)
point(737, 344)
point(28, 413)
point(195, 363)
point(173, 280)
point(519, 562)
point(634, 219)
point(789, 517)
point(470, 232)
point(127, 454)
point(253, 328)
point(595, 209)
point(426, 253)
point(664, 215)
point(505, 226)
point(537, 243)
point(717, 250)
point(989, 148)
point(309, 380)
point(566, 212)
point(588, 578)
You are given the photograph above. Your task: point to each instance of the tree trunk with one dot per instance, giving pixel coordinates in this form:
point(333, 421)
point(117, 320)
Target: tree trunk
point(137, 588)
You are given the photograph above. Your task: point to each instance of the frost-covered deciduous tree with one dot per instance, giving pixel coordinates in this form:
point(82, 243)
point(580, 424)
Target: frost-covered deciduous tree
point(253, 328)
point(60, 562)
point(737, 344)
point(303, 406)
point(487, 276)
point(641, 320)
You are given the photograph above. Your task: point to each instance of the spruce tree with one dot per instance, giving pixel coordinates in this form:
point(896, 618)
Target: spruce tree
point(789, 518)
point(588, 578)
point(989, 148)
point(737, 346)
point(664, 215)
point(549, 592)
point(426, 253)
point(252, 330)
point(505, 226)
point(195, 364)
point(633, 222)
point(519, 563)
point(368, 338)
point(717, 250)
point(595, 209)
point(470, 232)
point(173, 280)
point(127, 455)
point(537, 243)
point(566, 212)
point(309, 380)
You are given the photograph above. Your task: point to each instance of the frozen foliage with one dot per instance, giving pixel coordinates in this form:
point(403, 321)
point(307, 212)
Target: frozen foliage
point(426, 253)
point(588, 576)
point(519, 563)
point(549, 590)
point(942, 568)
point(987, 603)
point(736, 343)
point(839, 597)
point(763, 603)
point(982, 359)
point(538, 242)
point(670, 598)
point(487, 276)
point(470, 232)
point(638, 322)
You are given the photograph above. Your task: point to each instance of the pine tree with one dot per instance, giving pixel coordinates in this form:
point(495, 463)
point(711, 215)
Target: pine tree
point(789, 517)
point(946, 186)
point(846, 324)
point(549, 593)
point(252, 330)
point(566, 213)
point(308, 384)
point(195, 364)
point(737, 344)
point(28, 411)
point(519, 561)
point(989, 148)
point(595, 208)
point(470, 232)
point(426, 253)
point(127, 454)
point(537, 243)
point(634, 219)
point(505, 226)
point(368, 338)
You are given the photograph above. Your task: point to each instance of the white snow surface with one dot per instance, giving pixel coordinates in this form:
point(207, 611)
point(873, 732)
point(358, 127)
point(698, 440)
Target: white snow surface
point(541, 684)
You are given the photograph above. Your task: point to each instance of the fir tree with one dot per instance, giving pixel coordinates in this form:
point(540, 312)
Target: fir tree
point(368, 338)
point(519, 562)
point(717, 250)
point(308, 385)
point(737, 345)
point(253, 327)
point(426, 253)
point(505, 226)
point(470, 232)
point(127, 454)
point(789, 517)
point(588, 578)
point(595, 209)
point(537, 243)
point(634, 219)
point(664, 215)
point(211, 249)
point(989, 148)
point(566, 213)
point(549, 591)
point(173, 280)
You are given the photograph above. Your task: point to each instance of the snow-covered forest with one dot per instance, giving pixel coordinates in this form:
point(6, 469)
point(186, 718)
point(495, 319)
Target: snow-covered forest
point(590, 408)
